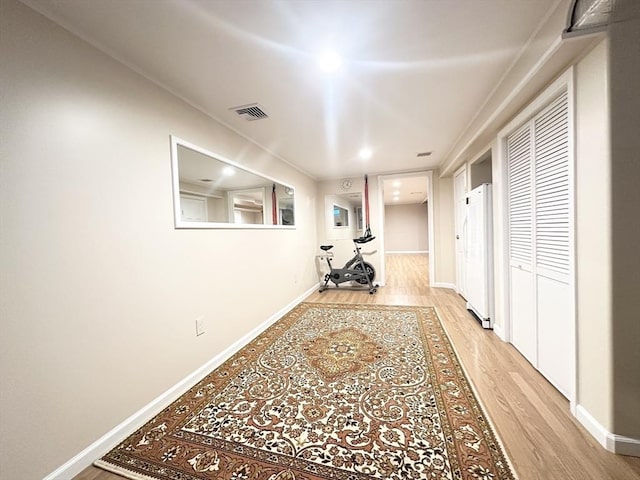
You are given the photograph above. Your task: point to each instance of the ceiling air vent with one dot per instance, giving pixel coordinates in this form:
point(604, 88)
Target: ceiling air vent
point(588, 16)
point(424, 154)
point(250, 112)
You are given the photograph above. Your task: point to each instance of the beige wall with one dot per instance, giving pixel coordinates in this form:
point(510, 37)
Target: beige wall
point(99, 292)
point(625, 217)
point(608, 225)
point(406, 228)
point(593, 235)
point(480, 172)
point(444, 231)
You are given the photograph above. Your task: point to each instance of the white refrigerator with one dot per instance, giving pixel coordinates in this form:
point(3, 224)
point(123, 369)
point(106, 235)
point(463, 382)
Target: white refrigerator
point(479, 255)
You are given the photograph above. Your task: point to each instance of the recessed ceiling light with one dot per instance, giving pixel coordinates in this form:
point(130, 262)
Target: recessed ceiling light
point(365, 153)
point(228, 171)
point(397, 183)
point(329, 61)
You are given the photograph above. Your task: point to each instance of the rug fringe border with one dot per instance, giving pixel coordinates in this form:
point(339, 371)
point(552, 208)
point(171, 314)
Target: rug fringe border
point(130, 474)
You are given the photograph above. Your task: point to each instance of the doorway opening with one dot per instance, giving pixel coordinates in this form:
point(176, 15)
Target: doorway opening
point(406, 211)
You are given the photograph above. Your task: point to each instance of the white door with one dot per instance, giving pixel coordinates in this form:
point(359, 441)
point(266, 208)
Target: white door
point(553, 242)
point(460, 195)
point(523, 321)
point(193, 209)
point(541, 296)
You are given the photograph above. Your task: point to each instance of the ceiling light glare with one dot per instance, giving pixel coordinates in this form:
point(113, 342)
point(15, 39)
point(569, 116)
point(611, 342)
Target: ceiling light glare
point(329, 61)
point(396, 193)
point(228, 171)
point(365, 153)
point(396, 183)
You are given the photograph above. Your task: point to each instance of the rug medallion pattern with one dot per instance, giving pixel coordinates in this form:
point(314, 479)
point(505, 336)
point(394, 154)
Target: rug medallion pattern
point(345, 392)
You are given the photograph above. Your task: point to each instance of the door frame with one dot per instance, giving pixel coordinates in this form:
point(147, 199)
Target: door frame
point(459, 229)
point(428, 174)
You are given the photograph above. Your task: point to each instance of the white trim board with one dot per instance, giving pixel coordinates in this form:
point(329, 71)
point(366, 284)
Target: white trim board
point(86, 457)
point(406, 252)
point(617, 444)
point(499, 331)
point(444, 285)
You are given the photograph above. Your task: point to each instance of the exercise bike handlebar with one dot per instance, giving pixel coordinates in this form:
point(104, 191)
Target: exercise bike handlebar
point(365, 239)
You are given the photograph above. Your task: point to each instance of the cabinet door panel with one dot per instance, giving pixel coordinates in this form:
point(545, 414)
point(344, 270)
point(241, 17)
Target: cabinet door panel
point(555, 341)
point(523, 320)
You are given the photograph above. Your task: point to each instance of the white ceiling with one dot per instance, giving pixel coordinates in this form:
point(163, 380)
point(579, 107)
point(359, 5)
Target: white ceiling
point(414, 73)
point(405, 190)
point(212, 174)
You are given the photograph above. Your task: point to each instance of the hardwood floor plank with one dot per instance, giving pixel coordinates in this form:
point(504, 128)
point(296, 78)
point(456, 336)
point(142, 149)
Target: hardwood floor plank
point(541, 437)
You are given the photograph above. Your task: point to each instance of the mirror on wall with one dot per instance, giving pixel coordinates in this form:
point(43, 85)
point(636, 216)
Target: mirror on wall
point(344, 215)
point(210, 191)
point(340, 216)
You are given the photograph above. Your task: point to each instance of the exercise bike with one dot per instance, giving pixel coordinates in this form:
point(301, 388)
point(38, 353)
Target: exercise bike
point(355, 270)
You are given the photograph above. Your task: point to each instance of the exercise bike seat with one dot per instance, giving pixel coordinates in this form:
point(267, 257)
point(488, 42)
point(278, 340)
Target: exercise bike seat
point(326, 248)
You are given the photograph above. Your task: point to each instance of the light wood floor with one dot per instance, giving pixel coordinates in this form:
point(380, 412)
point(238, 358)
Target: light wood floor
point(540, 436)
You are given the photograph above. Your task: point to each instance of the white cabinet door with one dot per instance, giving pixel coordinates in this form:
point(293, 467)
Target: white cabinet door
point(524, 328)
point(553, 246)
point(555, 354)
point(521, 285)
point(193, 209)
point(539, 206)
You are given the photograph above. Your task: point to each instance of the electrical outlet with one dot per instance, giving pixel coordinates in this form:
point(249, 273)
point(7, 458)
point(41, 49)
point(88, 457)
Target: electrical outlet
point(199, 325)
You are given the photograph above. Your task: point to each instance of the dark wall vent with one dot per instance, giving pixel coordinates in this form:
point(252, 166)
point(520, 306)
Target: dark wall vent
point(250, 112)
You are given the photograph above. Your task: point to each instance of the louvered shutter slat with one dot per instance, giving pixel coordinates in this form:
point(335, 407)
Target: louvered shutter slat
point(551, 139)
point(520, 195)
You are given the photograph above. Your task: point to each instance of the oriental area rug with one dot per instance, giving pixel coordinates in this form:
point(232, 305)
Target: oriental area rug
point(330, 391)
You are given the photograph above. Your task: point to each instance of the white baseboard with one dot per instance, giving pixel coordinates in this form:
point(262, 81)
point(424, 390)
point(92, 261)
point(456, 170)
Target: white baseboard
point(406, 252)
point(86, 457)
point(573, 407)
point(499, 331)
point(444, 285)
point(614, 443)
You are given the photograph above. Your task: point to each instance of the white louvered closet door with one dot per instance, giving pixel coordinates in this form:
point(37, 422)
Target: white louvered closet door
point(540, 248)
point(519, 154)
